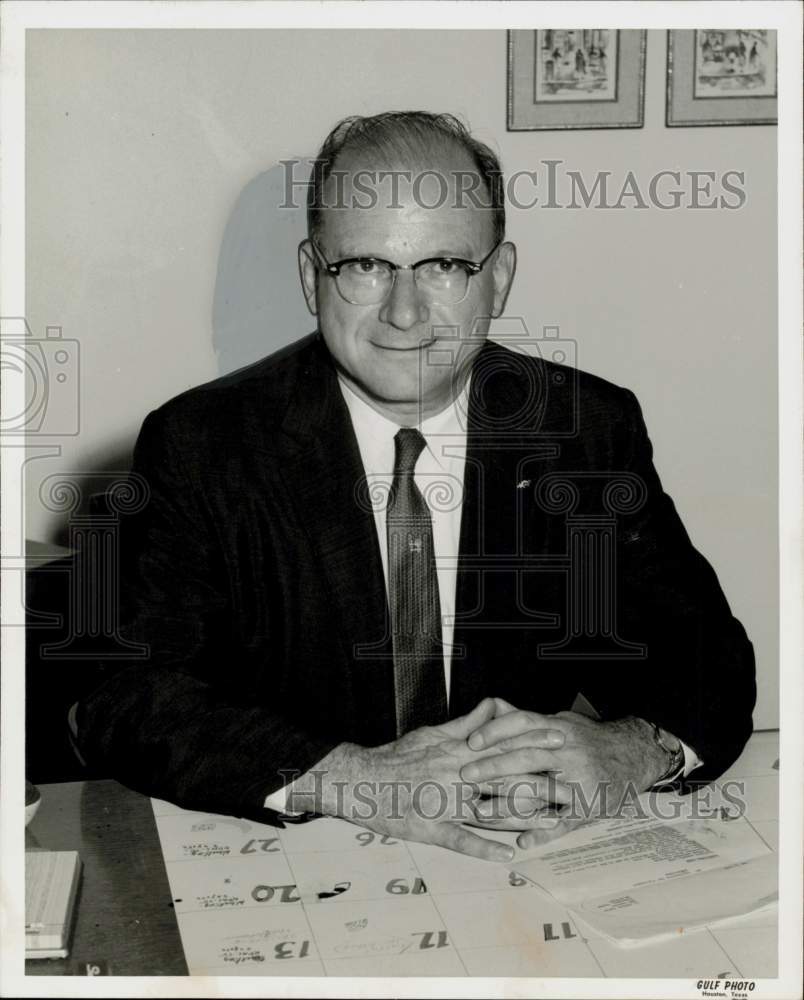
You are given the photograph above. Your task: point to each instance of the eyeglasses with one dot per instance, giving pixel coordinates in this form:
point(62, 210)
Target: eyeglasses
point(364, 281)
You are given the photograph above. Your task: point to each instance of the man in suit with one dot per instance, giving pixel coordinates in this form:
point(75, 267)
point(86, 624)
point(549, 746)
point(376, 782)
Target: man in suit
point(402, 573)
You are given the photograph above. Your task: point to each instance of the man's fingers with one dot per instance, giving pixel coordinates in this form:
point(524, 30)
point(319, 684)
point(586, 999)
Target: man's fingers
point(461, 727)
point(503, 707)
point(456, 838)
point(515, 723)
point(538, 763)
point(536, 739)
point(526, 760)
point(503, 814)
point(511, 783)
point(515, 786)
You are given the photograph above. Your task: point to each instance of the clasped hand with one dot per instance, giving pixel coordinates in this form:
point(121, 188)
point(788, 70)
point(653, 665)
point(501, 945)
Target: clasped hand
point(587, 771)
point(496, 768)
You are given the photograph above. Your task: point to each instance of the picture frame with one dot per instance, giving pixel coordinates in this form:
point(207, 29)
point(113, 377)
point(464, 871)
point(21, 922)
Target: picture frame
point(721, 77)
point(561, 78)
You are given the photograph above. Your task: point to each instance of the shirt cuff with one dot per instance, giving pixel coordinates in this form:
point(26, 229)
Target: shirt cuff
point(691, 762)
point(691, 759)
point(279, 801)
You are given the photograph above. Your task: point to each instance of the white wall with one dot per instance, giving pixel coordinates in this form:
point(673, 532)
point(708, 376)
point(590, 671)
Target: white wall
point(139, 144)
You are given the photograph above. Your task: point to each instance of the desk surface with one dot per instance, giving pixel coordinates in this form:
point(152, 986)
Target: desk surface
point(126, 916)
point(39, 553)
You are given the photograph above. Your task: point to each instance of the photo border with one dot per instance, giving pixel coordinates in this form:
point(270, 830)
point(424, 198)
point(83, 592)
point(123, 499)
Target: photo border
point(787, 17)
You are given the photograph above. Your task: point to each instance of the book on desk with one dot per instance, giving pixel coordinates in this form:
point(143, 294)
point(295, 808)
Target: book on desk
point(51, 889)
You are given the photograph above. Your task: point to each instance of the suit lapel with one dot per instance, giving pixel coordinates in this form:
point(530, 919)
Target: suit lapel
point(323, 473)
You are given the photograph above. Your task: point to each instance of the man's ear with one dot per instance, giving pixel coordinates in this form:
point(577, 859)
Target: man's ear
point(503, 270)
point(307, 273)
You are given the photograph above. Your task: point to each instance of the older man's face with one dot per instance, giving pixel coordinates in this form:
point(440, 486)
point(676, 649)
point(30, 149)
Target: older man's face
point(385, 350)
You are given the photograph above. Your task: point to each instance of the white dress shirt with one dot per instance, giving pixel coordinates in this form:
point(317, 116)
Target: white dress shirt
point(439, 475)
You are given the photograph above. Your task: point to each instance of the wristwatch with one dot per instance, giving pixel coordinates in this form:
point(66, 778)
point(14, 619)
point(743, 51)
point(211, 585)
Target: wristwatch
point(675, 758)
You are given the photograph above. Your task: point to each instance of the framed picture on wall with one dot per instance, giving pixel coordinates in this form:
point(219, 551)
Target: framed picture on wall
point(718, 76)
point(561, 78)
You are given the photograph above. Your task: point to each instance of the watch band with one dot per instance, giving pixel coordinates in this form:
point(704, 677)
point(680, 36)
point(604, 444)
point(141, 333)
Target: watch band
point(675, 758)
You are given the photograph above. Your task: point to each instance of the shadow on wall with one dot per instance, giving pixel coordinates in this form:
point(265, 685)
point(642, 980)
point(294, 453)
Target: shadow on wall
point(258, 306)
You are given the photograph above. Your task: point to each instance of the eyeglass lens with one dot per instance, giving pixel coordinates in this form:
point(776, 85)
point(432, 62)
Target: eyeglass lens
point(368, 282)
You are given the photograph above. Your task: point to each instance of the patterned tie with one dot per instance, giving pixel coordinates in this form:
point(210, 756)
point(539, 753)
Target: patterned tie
point(421, 694)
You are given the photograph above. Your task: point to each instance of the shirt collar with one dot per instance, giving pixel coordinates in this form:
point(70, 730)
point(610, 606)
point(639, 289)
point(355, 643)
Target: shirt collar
point(376, 432)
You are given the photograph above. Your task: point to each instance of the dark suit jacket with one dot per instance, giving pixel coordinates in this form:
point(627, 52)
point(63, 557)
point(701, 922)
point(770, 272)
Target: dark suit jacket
point(254, 575)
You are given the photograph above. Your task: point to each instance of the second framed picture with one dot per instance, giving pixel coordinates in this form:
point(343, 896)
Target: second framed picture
point(566, 78)
point(719, 76)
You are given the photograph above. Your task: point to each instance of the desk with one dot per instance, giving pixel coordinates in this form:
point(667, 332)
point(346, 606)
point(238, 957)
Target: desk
point(126, 916)
point(41, 553)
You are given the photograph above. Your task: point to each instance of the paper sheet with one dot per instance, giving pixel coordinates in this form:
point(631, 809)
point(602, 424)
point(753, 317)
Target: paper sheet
point(625, 854)
point(677, 907)
point(641, 879)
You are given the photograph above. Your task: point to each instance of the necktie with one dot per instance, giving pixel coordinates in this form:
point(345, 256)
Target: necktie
point(421, 696)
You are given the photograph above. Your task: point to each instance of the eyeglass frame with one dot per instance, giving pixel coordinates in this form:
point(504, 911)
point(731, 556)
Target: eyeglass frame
point(334, 269)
